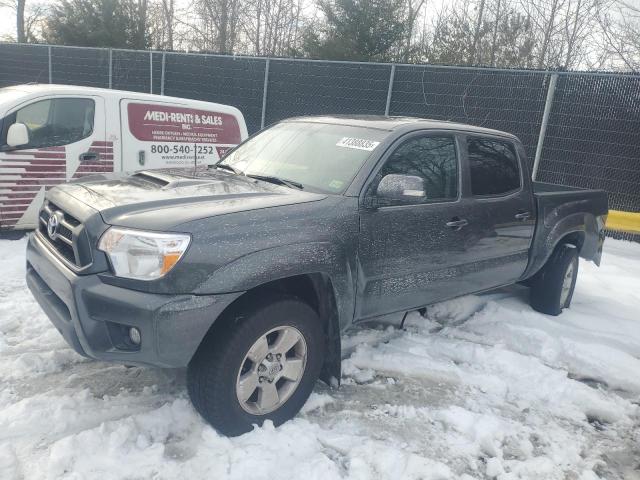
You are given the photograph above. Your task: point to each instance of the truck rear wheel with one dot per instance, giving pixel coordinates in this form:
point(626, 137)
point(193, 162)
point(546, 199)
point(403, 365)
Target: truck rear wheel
point(263, 367)
point(552, 288)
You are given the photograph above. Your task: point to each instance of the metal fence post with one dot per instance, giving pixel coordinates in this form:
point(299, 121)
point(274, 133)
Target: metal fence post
point(50, 67)
point(110, 68)
point(151, 71)
point(390, 89)
point(551, 90)
point(164, 56)
point(264, 93)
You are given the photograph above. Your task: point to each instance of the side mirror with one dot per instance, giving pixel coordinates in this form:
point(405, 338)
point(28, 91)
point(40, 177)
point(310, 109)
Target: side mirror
point(401, 187)
point(17, 135)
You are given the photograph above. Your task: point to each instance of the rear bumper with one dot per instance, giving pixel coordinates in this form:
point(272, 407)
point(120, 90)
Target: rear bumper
point(94, 317)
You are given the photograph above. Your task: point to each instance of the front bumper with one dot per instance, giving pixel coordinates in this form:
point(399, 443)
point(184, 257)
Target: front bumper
point(94, 317)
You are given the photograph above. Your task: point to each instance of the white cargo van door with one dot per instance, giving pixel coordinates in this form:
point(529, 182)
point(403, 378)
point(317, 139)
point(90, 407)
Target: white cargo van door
point(66, 140)
point(160, 135)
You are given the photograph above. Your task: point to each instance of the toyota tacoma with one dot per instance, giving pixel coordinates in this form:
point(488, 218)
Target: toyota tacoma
point(246, 272)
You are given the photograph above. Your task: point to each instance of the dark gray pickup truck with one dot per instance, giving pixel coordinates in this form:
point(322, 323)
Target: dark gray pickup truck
point(247, 272)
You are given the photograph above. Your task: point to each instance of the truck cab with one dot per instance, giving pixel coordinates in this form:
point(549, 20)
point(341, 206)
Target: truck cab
point(51, 134)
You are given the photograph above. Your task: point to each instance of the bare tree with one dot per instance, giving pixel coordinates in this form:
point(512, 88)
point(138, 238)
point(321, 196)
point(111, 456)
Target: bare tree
point(34, 17)
point(272, 26)
point(564, 30)
point(168, 11)
point(414, 9)
point(161, 24)
point(206, 26)
point(511, 33)
point(142, 23)
point(621, 33)
point(494, 34)
point(545, 17)
point(456, 33)
point(581, 20)
point(18, 6)
point(477, 30)
point(508, 40)
point(29, 18)
point(216, 25)
point(501, 33)
point(500, 36)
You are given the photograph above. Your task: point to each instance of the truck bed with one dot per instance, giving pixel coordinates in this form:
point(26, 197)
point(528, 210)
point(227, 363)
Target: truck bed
point(561, 211)
point(550, 196)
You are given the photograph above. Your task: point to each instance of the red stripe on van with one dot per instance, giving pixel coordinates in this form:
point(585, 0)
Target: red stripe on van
point(44, 167)
point(42, 155)
point(103, 165)
point(35, 169)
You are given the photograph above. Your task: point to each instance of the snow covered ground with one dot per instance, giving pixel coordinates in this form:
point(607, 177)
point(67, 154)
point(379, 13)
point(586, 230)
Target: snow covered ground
point(483, 387)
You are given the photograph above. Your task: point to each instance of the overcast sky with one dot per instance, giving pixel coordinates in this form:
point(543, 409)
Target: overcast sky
point(7, 22)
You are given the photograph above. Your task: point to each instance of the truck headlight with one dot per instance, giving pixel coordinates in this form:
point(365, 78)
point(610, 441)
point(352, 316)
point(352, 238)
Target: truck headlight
point(142, 255)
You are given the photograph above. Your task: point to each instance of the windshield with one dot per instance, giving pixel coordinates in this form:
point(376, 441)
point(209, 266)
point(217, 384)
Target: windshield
point(317, 156)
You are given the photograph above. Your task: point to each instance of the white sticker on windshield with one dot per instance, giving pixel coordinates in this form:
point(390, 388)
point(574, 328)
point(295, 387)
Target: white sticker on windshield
point(357, 143)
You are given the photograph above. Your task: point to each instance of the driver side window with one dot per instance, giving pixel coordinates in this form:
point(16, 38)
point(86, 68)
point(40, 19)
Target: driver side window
point(430, 159)
point(53, 122)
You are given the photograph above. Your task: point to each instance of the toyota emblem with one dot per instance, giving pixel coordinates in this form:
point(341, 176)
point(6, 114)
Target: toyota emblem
point(52, 225)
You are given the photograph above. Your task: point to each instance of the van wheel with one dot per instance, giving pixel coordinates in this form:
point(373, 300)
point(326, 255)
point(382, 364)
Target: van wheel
point(552, 288)
point(263, 367)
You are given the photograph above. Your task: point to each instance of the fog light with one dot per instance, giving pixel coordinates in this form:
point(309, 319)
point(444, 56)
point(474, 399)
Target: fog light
point(134, 336)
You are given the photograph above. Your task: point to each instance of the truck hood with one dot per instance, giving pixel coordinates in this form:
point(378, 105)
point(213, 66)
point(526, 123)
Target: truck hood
point(161, 199)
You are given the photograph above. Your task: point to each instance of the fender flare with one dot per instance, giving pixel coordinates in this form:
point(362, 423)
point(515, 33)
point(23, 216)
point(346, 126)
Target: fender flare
point(581, 223)
point(337, 286)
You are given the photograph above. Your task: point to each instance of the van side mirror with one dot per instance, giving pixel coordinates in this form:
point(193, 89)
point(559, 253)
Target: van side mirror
point(17, 135)
point(394, 187)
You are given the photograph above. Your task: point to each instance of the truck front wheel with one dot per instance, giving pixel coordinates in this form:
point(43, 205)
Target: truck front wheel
point(552, 288)
point(263, 366)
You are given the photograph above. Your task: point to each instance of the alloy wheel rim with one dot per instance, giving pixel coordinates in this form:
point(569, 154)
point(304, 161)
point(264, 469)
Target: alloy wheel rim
point(271, 370)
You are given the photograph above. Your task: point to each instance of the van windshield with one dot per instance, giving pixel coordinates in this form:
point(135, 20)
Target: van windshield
point(317, 156)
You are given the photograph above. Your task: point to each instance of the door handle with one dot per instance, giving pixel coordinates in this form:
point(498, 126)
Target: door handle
point(522, 216)
point(457, 223)
point(89, 157)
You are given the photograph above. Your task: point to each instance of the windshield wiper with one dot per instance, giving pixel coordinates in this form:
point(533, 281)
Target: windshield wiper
point(224, 166)
point(278, 180)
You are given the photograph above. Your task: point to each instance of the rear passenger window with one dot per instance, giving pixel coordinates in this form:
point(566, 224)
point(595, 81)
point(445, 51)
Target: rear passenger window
point(493, 165)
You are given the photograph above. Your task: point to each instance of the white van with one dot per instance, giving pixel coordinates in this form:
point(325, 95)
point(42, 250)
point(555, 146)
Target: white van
point(50, 134)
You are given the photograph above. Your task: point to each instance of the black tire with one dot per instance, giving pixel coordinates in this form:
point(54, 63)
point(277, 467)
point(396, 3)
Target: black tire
point(547, 285)
point(213, 372)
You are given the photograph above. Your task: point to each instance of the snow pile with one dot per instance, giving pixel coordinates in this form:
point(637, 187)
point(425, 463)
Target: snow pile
point(481, 387)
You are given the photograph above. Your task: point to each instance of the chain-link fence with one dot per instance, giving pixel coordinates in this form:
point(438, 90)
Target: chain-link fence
point(579, 128)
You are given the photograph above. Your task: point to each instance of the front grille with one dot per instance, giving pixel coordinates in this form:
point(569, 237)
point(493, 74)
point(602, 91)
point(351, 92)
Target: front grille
point(68, 232)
